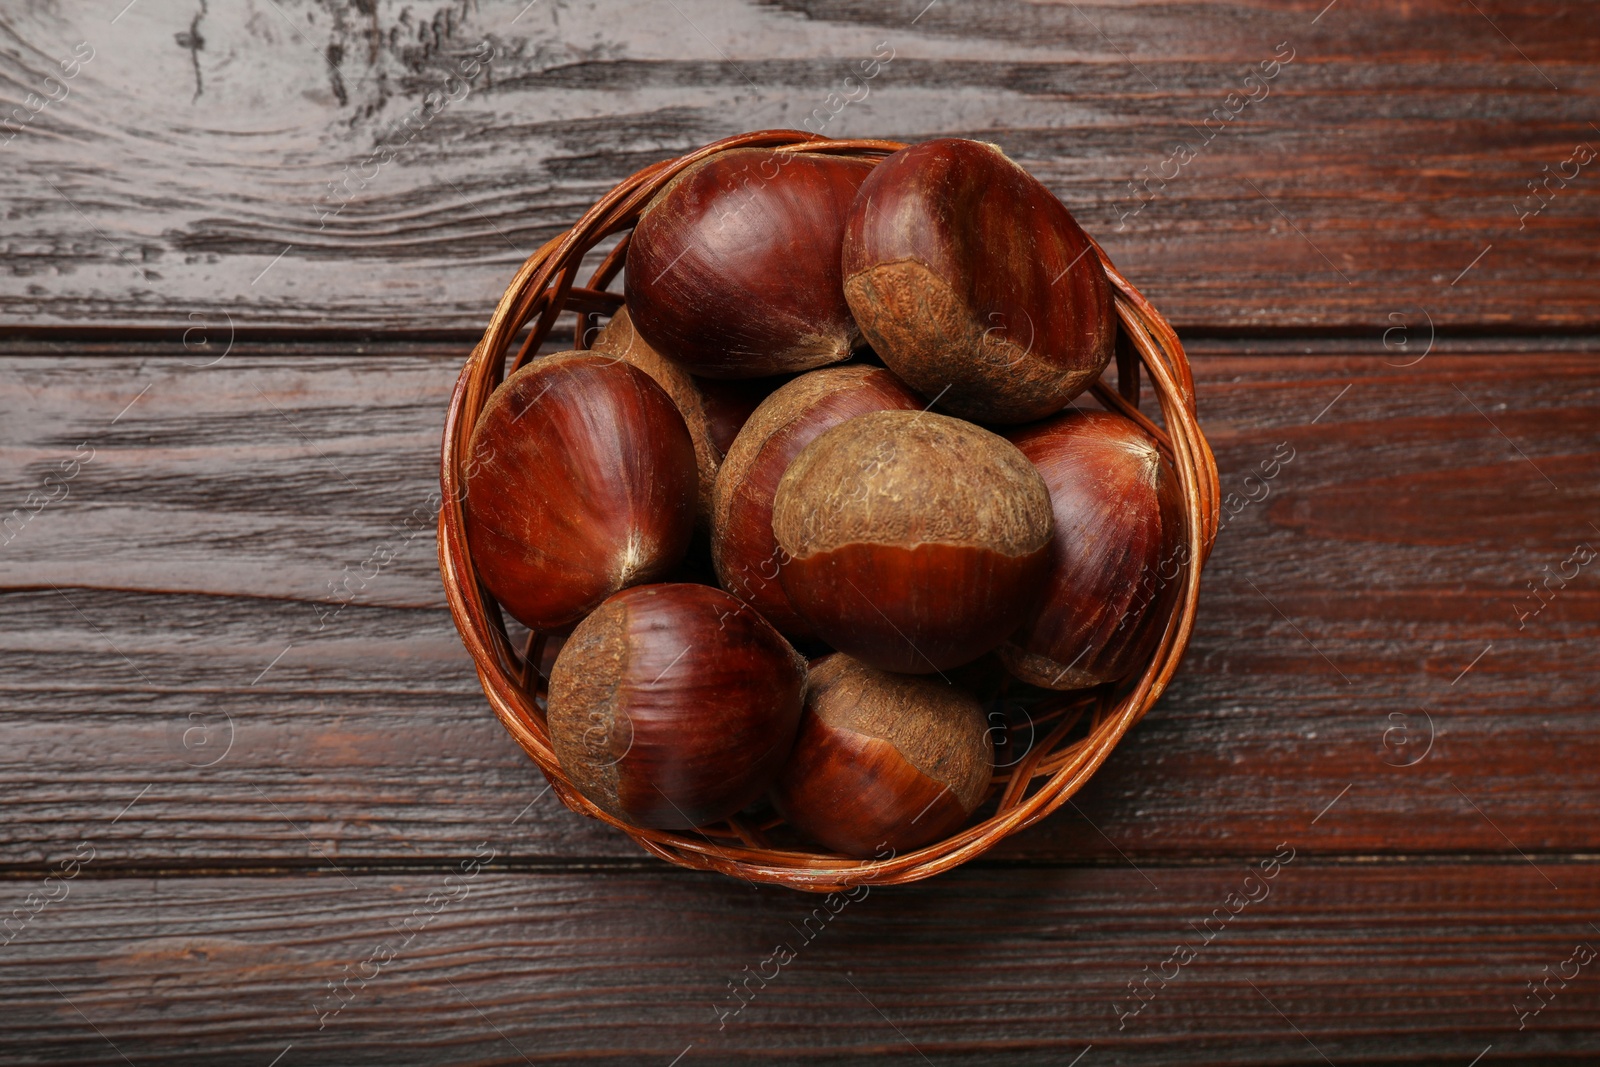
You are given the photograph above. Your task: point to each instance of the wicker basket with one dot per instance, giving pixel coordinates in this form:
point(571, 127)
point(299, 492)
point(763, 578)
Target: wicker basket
point(1083, 728)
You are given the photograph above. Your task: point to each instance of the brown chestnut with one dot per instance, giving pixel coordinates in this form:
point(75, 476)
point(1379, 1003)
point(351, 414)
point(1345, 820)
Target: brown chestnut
point(883, 761)
point(974, 284)
point(1117, 551)
point(734, 267)
point(742, 546)
point(673, 706)
point(912, 541)
point(580, 480)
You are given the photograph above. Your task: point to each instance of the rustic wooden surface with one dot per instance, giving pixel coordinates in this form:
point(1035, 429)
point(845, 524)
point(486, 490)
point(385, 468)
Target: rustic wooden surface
point(199, 144)
point(1369, 964)
point(234, 768)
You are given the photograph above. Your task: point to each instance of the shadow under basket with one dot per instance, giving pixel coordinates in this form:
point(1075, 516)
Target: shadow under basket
point(1082, 728)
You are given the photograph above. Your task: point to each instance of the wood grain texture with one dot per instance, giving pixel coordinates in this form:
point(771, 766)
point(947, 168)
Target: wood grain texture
point(1344, 964)
point(280, 166)
point(242, 753)
point(179, 597)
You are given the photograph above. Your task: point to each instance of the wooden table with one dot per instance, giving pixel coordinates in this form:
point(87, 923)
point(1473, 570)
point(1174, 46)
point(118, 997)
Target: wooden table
point(256, 810)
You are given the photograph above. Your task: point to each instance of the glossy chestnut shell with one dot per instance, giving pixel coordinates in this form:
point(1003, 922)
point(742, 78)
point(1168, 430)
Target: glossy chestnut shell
point(580, 481)
point(673, 706)
point(974, 283)
point(734, 268)
point(1116, 556)
point(883, 762)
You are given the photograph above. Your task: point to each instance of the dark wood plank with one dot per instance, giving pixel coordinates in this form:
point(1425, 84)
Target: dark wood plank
point(1345, 964)
point(1393, 151)
point(194, 552)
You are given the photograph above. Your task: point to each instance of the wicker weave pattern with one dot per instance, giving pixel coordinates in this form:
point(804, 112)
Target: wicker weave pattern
point(1056, 766)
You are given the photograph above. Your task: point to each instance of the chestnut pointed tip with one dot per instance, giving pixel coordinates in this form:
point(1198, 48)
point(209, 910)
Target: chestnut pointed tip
point(1147, 459)
point(633, 561)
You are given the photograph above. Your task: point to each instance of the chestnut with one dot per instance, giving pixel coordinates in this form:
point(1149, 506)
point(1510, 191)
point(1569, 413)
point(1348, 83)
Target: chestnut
point(734, 266)
point(742, 546)
point(883, 761)
point(914, 542)
point(974, 284)
point(673, 706)
point(580, 480)
point(1117, 552)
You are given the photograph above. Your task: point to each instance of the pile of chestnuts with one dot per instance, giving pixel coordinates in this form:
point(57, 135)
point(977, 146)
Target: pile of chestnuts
point(815, 486)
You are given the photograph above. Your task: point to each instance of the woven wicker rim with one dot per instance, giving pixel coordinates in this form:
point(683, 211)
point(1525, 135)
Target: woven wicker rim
point(545, 286)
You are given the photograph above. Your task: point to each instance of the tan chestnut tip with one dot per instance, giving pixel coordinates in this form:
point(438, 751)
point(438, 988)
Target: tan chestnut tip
point(911, 478)
point(1146, 457)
